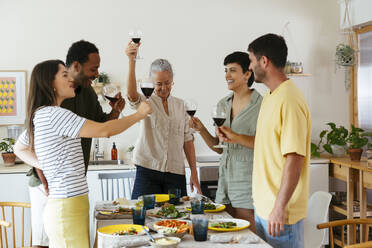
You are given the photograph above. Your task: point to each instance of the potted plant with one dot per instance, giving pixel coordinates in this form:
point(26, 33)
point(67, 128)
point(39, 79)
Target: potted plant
point(103, 78)
point(335, 141)
point(356, 141)
point(6, 147)
point(345, 55)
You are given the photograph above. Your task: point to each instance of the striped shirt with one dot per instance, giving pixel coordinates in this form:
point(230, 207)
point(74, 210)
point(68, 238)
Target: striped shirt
point(58, 150)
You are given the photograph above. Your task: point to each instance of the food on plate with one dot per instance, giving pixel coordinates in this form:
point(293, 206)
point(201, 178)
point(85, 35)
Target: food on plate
point(166, 241)
point(121, 201)
point(170, 211)
point(209, 206)
point(185, 198)
point(223, 224)
point(172, 226)
point(121, 210)
point(131, 231)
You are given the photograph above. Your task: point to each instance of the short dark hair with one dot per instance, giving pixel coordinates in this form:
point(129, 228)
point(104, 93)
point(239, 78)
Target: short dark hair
point(79, 51)
point(272, 46)
point(243, 60)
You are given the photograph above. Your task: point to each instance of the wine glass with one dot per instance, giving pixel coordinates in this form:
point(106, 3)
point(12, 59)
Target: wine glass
point(109, 93)
point(191, 107)
point(147, 87)
point(219, 117)
point(136, 38)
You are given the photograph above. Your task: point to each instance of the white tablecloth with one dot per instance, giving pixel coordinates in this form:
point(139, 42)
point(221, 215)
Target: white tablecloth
point(188, 240)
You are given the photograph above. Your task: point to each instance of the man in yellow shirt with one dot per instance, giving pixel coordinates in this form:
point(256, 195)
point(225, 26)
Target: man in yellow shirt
point(282, 148)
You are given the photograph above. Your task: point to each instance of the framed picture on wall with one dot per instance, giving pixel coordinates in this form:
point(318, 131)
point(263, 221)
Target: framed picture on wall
point(12, 97)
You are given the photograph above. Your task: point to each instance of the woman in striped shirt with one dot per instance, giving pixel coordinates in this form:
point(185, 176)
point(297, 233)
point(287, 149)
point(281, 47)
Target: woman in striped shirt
point(52, 144)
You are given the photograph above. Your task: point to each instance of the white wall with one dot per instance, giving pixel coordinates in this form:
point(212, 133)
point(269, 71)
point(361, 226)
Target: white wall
point(359, 10)
point(194, 35)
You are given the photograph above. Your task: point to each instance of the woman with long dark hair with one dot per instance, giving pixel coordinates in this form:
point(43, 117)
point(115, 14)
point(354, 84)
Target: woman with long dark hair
point(52, 144)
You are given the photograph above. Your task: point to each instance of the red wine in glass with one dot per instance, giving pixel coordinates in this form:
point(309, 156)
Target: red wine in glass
point(147, 91)
point(111, 99)
point(219, 121)
point(191, 112)
point(136, 40)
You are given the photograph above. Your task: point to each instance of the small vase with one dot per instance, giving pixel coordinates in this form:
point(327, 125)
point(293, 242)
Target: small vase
point(338, 151)
point(9, 159)
point(355, 154)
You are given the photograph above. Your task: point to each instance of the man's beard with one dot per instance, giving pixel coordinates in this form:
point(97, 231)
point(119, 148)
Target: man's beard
point(259, 75)
point(81, 80)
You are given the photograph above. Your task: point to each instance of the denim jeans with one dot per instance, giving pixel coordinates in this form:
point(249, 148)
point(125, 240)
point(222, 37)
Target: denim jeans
point(292, 237)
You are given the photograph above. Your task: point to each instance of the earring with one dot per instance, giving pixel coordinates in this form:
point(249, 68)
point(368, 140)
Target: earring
point(54, 89)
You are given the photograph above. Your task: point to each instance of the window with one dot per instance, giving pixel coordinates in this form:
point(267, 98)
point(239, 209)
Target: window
point(361, 92)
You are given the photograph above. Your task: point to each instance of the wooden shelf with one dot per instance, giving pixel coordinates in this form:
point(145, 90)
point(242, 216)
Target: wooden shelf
point(342, 209)
point(299, 75)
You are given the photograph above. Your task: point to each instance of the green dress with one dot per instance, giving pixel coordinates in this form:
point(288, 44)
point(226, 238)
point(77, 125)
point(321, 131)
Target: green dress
point(235, 171)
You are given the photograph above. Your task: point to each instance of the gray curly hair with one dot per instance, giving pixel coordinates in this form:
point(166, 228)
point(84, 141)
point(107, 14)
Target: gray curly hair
point(161, 65)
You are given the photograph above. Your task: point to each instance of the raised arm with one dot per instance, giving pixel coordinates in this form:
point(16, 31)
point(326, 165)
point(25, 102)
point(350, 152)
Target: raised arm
point(93, 129)
point(131, 52)
point(211, 141)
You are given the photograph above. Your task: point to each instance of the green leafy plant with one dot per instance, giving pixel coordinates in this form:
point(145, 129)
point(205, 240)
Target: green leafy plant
point(368, 135)
point(335, 136)
point(6, 145)
point(356, 139)
point(130, 149)
point(103, 78)
point(345, 55)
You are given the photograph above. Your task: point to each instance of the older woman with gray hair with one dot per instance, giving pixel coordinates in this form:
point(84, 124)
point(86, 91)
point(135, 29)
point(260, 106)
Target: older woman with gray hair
point(164, 136)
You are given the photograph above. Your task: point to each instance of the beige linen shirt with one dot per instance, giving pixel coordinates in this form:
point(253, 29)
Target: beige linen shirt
point(161, 138)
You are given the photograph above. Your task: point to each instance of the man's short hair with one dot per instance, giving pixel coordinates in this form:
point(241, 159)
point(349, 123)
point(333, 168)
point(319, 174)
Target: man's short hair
point(271, 46)
point(242, 59)
point(79, 51)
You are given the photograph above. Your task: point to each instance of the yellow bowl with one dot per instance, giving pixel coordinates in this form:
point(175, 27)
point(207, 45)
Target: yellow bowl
point(161, 197)
point(122, 227)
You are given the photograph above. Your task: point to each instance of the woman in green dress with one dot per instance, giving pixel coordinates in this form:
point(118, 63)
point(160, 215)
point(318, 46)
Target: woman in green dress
point(238, 131)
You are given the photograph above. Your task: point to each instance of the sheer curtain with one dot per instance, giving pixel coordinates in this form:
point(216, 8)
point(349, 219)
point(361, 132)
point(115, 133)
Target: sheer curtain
point(365, 81)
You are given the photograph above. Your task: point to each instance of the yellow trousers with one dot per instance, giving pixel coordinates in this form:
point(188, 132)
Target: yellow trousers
point(66, 222)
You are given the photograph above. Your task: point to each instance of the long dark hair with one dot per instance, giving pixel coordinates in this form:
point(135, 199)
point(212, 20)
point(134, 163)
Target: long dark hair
point(41, 92)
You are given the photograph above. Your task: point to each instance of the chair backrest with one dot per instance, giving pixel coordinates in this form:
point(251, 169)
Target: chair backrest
point(12, 206)
point(367, 244)
point(123, 181)
point(317, 212)
point(353, 225)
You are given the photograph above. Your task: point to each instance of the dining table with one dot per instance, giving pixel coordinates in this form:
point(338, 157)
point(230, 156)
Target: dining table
point(243, 238)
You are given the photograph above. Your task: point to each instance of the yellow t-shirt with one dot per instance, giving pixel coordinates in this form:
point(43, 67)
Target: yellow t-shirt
point(283, 126)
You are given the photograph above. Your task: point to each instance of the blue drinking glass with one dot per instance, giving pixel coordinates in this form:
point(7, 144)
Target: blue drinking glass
point(197, 206)
point(200, 228)
point(148, 201)
point(174, 196)
point(139, 215)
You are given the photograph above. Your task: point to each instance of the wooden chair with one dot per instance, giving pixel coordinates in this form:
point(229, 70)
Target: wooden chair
point(13, 205)
point(3, 224)
point(367, 244)
point(115, 178)
point(353, 224)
